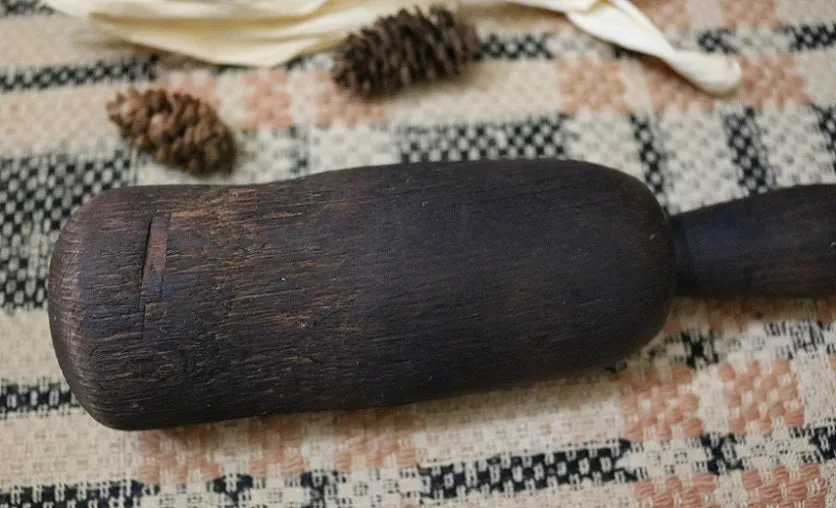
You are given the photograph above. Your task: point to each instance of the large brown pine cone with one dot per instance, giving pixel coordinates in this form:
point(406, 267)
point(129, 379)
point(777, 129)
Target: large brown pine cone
point(402, 49)
point(177, 128)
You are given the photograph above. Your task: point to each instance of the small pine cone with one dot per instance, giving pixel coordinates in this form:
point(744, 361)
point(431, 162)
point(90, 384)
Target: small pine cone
point(402, 49)
point(177, 128)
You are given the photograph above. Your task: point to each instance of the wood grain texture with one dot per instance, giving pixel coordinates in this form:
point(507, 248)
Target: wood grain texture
point(779, 244)
point(375, 286)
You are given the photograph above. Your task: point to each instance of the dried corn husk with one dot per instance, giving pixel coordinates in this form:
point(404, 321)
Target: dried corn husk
point(270, 32)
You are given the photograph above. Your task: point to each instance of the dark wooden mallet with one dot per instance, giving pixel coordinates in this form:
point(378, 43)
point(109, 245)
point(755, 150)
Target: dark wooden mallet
point(173, 305)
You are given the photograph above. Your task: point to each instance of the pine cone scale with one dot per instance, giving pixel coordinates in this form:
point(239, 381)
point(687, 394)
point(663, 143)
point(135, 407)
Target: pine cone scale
point(176, 128)
point(404, 48)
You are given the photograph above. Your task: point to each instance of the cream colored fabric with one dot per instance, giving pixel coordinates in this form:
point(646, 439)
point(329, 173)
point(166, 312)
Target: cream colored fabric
point(269, 32)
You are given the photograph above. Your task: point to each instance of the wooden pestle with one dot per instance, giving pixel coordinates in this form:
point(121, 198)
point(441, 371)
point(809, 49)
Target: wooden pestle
point(174, 305)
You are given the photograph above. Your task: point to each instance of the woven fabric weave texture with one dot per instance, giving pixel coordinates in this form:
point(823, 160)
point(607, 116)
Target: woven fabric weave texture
point(734, 404)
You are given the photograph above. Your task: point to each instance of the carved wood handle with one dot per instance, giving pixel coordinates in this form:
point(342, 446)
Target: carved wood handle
point(174, 305)
point(779, 244)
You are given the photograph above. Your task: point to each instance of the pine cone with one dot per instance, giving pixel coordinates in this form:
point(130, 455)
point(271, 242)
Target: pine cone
point(402, 49)
point(177, 128)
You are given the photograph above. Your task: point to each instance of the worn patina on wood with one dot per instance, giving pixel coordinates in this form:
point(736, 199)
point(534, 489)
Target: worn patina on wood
point(173, 305)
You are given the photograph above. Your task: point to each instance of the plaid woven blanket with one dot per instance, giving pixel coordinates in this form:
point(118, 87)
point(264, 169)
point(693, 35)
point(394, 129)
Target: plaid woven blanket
point(734, 404)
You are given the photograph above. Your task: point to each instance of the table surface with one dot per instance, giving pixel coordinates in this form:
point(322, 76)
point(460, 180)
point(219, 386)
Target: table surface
point(733, 404)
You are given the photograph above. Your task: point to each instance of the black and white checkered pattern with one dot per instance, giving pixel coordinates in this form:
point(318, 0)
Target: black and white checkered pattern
point(538, 137)
point(651, 154)
point(805, 337)
point(688, 158)
point(720, 40)
point(748, 152)
point(128, 70)
point(811, 37)
point(503, 475)
point(43, 398)
point(22, 8)
point(827, 126)
point(37, 194)
point(527, 46)
point(124, 493)
point(509, 474)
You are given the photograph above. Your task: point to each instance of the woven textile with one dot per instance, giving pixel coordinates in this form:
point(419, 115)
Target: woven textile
point(734, 404)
